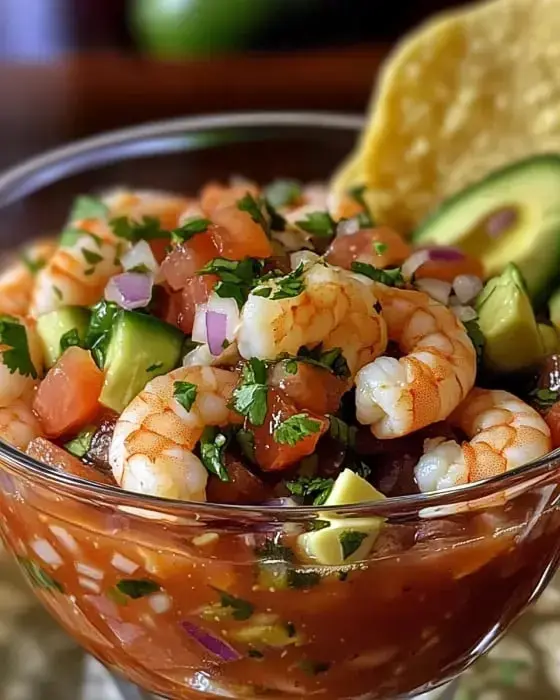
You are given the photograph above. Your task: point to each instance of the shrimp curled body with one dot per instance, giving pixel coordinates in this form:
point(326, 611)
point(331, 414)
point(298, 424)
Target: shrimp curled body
point(152, 447)
point(504, 433)
point(335, 308)
point(396, 397)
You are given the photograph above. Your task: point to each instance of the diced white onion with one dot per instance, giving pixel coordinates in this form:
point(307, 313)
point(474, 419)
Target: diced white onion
point(89, 585)
point(437, 289)
point(90, 571)
point(199, 357)
point(65, 538)
point(126, 566)
point(347, 227)
point(307, 257)
point(140, 255)
point(467, 287)
point(465, 313)
point(198, 334)
point(160, 602)
point(415, 261)
point(301, 214)
point(45, 551)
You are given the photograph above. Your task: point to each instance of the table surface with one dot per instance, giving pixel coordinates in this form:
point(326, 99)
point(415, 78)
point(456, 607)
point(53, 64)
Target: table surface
point(49, 104)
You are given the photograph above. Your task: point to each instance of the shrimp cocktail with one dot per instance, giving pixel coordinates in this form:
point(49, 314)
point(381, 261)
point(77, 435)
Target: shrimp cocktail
point(274, 439)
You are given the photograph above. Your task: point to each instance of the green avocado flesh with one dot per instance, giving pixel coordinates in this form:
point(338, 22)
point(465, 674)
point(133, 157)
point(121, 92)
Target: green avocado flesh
point(506, 318)
point(511, 216)
point(141, 348)
point(52, 326)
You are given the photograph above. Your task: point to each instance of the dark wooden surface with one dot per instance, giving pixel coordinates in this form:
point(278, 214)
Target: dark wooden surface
point(52, 103)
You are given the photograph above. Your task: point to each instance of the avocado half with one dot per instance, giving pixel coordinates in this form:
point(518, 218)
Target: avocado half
point(513, 215)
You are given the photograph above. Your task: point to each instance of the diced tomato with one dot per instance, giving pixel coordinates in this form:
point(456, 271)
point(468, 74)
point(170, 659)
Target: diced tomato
point(185, 260)
point(237, 236)
point(196, 291)
point(447, 270)
point(215, 196)
point(272, 455)
point(553, 421)
point(367, 246)
point(243, 488)
point(311, 388)
point(45, 451)
point(67, 398)
point(159, 248)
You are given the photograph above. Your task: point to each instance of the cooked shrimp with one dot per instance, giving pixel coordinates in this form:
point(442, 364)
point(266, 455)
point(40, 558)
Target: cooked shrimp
point(136, 204)
point(334, 307)
point(152, 447)
point(17, 280)
point(504, 433)
point(15, 384)
point(396, 397)
point(18, 425)
point(77, 273)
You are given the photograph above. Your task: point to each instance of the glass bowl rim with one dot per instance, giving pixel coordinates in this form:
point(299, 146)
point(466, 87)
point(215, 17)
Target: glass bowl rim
point(34, 173)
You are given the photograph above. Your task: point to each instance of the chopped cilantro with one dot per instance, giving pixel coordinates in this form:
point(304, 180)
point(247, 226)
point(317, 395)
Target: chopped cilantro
point(313, 489)
point(301, 579)
point(212, 448)
point(342, 432)
point(249, 398)
point(379, 248)
point(57, 292)
point(291, 366)
point(38, 577)
point(263, 292)
point(185, 394)
point(148, 229)
point(70, 338)
point(314, 668)
point(283, 193)
point(16, 356)
point(91, 257)
point(318, 223)
point(296, 428)
point(350, 541)
point(140, 269)
point(476, 336)
point(357, 194)
point(544, 398)
point(254, 208)
point(33, 265)
point(392, 276)
point(291, 285)
point(71, 235)
point(79, 446)
point(272, 550)
point(246, 441)
point(189, 229)
point(277, 222)
point(103, 317)
point(154, 367)
point(87, 207)
point(137, 588)
point(240, 609)
point(277, 570)
point(331, 359)
point(237, 277)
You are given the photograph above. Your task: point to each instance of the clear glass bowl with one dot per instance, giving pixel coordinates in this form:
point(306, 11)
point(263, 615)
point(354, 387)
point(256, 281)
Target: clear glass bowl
point(447, 575)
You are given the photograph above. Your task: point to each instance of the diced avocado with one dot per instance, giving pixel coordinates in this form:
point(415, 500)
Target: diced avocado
point(549, 338)
point(344, 541)
point(508, 323)
point(513, 215)
point(53, 326)
point(141, 347)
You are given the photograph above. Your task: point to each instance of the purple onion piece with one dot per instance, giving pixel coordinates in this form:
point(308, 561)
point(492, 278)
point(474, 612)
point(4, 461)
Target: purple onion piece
point(130, 290)
point(216, 329)
point(213, 644)
point(445, 253)
point(500, 221)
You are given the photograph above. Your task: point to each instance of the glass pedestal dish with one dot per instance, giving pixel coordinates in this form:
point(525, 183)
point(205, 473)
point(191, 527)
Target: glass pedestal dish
point(448, 573)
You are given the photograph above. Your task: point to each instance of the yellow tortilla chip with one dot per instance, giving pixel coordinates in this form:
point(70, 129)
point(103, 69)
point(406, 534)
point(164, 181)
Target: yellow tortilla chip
point(467, 93)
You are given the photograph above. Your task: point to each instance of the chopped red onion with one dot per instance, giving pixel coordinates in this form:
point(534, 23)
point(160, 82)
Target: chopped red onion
point(437, 289)
point(213, 644)
point(444, 253)
point(467, 287)
point(216, 325)
point(131, 290)
point(416, 260)
point(500, 221)
point(140, 256)
point(465, 313)
point(347, 227)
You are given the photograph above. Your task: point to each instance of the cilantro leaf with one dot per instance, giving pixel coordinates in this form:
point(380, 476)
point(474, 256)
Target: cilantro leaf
point(272, 550)
point(379, 248)
point(71, 235)
point(87, 207)
point(250, 400)
point(544, 398)
point(103, 317)
point(302, 579)
point(357, 194)
point(16, 356)
point(237, 277)
point(137, 588)
point(296, 428)
point(318, 223)
point(185, 394)
point(240, 609)
point(91, 257)
point(476, 336)
point(38, 577)
point(32, 264)
point(253, 207)
point(342, 432)
point(277, 221)
point(331, 359)
point(350, 541)
point(212, 448)
point(79, 446)
point(283, 193)
point(246, 441)
point(392, 276)
point(254, 371)
point(189, 229)
point(69, 339)
point(291, 285)
point(148, 229)
point(313, 489)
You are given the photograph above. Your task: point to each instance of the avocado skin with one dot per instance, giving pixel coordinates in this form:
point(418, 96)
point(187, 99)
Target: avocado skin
point(52, 326)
